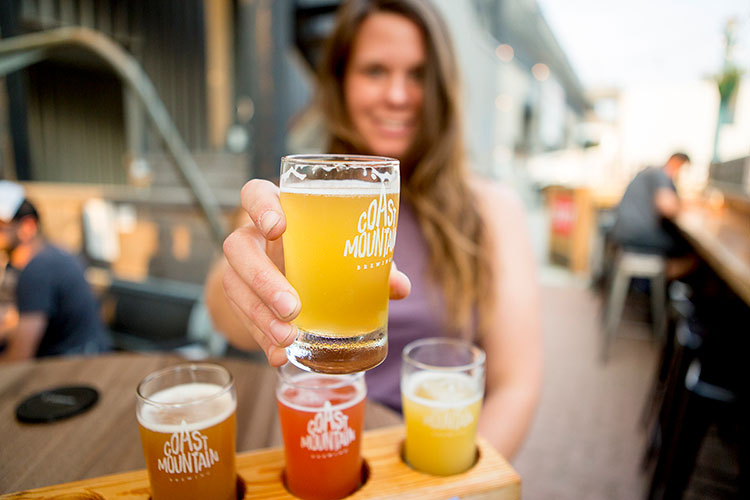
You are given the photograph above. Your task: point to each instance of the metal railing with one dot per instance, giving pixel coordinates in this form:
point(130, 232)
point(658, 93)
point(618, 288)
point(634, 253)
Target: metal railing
point(25, 50)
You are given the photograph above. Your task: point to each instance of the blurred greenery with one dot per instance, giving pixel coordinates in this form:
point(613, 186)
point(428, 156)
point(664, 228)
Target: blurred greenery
point(727, 81)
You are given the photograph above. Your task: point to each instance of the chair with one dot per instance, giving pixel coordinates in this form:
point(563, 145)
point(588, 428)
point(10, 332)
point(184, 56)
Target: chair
point(162, 315)
point(629, 265)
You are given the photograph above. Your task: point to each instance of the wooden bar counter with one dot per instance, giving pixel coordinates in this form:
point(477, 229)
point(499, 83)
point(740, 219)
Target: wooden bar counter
point(721, 236)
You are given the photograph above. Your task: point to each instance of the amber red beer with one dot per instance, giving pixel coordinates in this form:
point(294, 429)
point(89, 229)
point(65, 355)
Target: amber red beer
point(321, 422)
point(186, 418)
point(341, 217)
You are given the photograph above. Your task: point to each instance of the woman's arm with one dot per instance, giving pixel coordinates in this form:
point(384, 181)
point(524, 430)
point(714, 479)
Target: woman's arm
point(513, 342)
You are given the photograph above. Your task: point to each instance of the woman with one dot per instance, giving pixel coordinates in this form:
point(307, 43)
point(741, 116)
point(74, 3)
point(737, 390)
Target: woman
point(387, 88)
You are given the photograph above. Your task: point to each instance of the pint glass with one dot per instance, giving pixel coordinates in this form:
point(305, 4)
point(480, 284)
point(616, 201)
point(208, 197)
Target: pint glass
point(321, 422)
point(186, 417)
point(442, 386)
point(341, 214)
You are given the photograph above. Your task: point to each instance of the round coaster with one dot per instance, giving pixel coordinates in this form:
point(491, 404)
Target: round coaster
point(56, 404)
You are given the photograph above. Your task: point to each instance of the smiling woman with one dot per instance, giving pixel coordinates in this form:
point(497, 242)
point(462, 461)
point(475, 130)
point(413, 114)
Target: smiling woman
point(383, 83)
point(387, 86)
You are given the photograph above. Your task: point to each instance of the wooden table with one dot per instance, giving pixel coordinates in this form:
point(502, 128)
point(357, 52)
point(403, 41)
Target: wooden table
point(721, 236)
point(105, 439)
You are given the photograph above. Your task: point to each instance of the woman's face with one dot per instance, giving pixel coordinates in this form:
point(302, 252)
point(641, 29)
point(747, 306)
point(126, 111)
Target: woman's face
point(383, 85)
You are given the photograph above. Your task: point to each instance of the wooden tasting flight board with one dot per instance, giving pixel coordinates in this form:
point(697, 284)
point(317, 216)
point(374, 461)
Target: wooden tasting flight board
point(492, 477)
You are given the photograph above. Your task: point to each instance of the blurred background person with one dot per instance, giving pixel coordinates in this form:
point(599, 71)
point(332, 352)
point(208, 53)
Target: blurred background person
point(387, 86)
point(56, 310)
point(645, 213)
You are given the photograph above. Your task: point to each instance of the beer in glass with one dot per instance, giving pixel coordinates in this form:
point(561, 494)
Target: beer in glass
point(341, 214)
point(442, 386)
point(321, 423)
point(186, 417)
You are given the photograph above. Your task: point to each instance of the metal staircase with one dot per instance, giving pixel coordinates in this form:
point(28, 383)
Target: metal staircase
point(19, 52)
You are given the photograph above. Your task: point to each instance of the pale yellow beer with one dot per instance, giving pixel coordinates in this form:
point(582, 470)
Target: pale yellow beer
point(343, 284)
point(188, 436)
point(338, 249)
point(442, 387)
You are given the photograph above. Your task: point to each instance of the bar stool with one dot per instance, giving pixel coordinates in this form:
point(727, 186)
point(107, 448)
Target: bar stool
point(629, 265)
point(659, 415)
point(706, 384)
point(680, 312)
point(694, 407)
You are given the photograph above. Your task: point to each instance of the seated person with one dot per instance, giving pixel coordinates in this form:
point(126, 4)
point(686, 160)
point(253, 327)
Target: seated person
point(57, 311)
point(643, 217)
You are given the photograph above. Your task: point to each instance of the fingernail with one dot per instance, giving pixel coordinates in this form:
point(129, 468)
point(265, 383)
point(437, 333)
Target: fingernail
point(268, 221)
point(281, 332)
point(284, 303)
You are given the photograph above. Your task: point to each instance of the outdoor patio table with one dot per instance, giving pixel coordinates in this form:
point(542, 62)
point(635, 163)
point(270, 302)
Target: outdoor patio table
point(105, 440)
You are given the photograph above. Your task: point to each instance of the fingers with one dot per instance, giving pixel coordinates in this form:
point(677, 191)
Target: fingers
point(260, 199)
point(245, 253)
point(281, 332)
point(399, 283)
point(271, 334)
point(276, 355)
point(260, 295)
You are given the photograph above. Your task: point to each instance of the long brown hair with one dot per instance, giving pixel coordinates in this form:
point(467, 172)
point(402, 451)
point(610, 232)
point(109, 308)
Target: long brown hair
point(436, 180)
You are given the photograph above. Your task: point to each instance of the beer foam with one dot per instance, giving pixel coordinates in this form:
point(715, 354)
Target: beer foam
point(348, 187)
point(442, 390)
point(200, 416)
point(312, 400)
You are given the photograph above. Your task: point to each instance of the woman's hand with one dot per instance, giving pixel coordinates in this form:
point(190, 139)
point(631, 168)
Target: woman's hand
point(258, 293)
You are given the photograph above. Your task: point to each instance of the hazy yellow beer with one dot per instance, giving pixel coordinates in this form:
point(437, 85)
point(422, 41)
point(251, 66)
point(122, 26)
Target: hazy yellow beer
point(188, 432)
point(341, 215)
point(441, 413)
point(442, 386)
point(344, 282)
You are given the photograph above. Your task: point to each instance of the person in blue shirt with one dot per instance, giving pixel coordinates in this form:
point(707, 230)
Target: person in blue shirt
point(645, 214)
point(57, 312)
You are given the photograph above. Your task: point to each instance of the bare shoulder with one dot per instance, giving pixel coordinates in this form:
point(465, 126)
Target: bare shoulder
point(505, 218)
point(497, 201)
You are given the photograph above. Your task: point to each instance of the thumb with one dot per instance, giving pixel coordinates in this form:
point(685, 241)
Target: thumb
point(399, 284)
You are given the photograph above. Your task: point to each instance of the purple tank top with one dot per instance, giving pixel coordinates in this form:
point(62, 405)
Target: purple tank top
point(418, 316)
